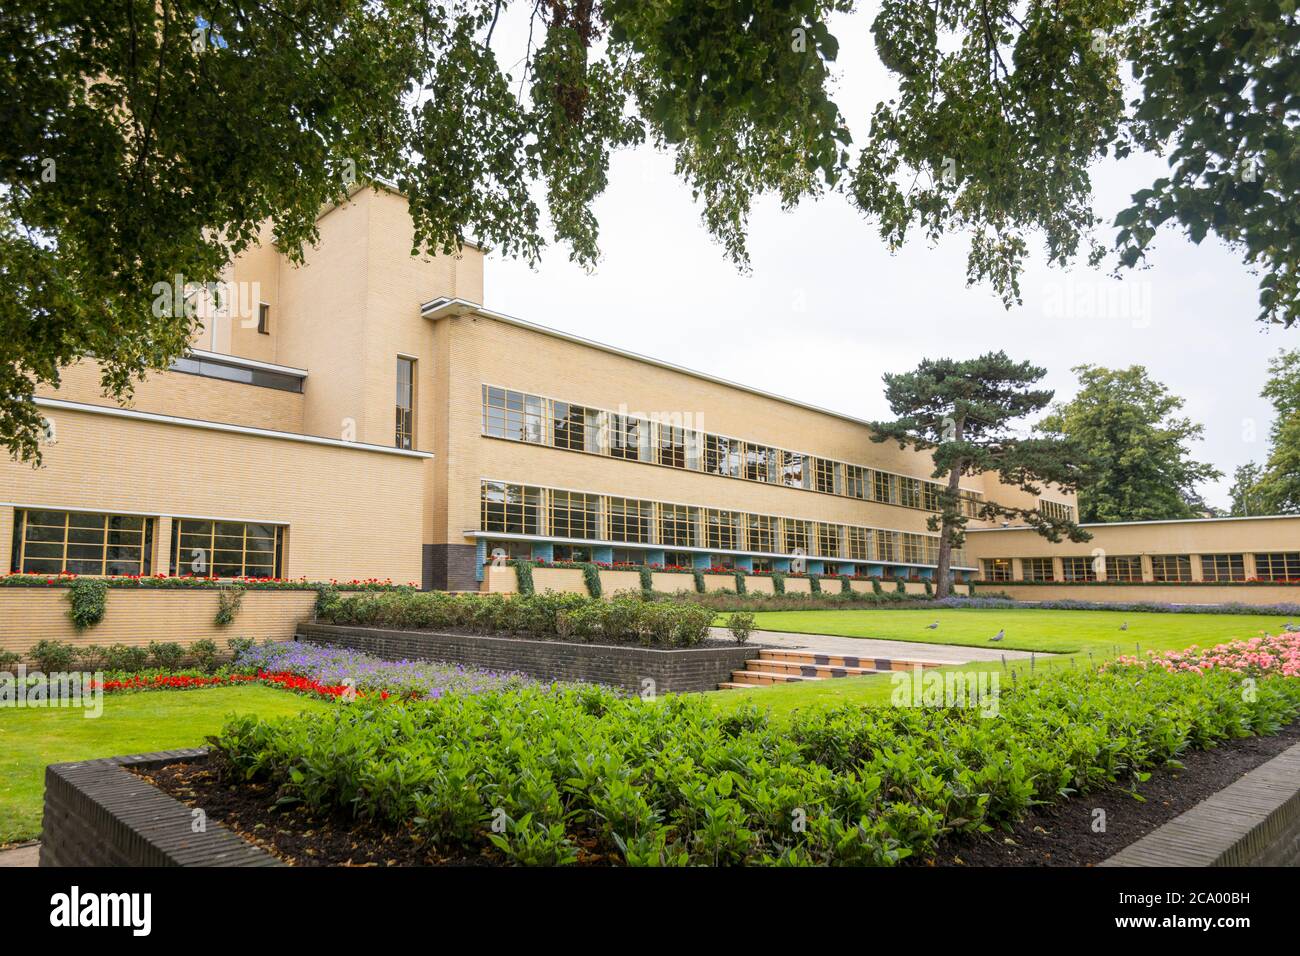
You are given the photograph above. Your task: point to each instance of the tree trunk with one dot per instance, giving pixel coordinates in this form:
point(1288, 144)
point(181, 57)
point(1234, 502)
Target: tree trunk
point(943, 586)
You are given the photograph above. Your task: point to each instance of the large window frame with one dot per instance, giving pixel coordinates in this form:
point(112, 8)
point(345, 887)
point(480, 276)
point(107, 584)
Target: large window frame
point(90, 544)
point(1277, 566)
point(508, 508)
point(1223, 567)
point(211, 547)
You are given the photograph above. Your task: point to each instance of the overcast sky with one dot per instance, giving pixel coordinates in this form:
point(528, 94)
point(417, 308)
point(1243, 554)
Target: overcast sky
point(826, 309)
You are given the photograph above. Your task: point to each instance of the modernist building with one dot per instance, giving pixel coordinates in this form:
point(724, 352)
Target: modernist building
point(363, 415)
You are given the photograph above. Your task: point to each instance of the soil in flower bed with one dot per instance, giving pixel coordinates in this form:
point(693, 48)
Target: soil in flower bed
point(1062, 834)
point(294, 836)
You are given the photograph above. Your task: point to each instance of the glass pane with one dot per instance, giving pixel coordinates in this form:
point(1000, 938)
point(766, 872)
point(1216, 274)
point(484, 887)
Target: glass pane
point(44, 534)
point(46, 518)
point(41, 566)
point(78, 520)
point(86, 535)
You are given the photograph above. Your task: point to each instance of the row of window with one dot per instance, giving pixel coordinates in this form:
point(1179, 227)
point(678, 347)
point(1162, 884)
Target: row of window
point(531, 418)
point(75, 542)
point(1165, 568)
point(523, 509)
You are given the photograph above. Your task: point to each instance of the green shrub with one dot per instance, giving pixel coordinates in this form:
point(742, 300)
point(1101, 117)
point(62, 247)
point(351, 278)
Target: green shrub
point(129, 659)
point(740, 582)
point(88, 598)
point(524, 577)
point(700, 587)
point(52, 656)
point(326, 594)
point(741, 625)
point(929, 587)
point(846, 584)
point(229, 601)
point(900, 585)
point(681, 783)
point(591, 577)
point(238, 645)
point(815, 585)
point(875, 586)
point(778, 582)
point(166, 655)
point(9, 661)
point(204, 654)
point(647, 583)
point(92, 657)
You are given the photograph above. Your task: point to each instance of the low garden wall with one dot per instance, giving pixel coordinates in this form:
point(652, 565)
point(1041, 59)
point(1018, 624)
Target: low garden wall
point(676, 670)
point(1146, 592)
point(504, 580)
point(98, 813)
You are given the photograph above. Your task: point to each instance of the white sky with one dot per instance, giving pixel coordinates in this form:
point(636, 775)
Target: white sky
point(827, 310)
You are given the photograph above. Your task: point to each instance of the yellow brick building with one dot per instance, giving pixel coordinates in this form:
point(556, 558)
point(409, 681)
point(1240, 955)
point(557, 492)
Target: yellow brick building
point(364, 415)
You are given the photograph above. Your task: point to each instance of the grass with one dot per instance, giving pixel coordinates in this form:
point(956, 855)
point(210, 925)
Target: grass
point(1074, 638)
point(130, 723)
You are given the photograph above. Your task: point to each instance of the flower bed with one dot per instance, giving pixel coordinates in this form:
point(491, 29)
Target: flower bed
point(193, 582)
point(1256, 657)
point(584, 776)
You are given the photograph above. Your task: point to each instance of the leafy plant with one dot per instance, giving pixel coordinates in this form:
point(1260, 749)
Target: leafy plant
point(741, 625)
point(92, 657)
point(700, 586)
point(9, 661)
point(524, 577)
point(591, 577)
point(778, 582)
point(238, 645)
point(204, 654)
point(88, 598)
point(166, 655)
point(229, 601)
point(127, 659)
point(52, 656)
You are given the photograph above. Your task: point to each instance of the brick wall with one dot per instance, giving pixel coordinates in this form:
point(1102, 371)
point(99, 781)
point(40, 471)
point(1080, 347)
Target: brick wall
point(673, 671)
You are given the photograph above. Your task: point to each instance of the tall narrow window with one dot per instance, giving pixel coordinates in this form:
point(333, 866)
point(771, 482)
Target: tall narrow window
point(405, 402)
point(264, 318)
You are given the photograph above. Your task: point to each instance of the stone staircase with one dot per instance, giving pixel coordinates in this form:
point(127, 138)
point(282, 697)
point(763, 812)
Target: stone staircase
point(776, 666)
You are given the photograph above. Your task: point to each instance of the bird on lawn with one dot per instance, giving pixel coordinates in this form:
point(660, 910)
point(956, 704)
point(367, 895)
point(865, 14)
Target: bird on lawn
point(1124, 626)
point(1291, 627)
point(999, 635)
point(931, 627)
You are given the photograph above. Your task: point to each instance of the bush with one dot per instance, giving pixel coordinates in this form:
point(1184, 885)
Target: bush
point(740, 582)
point(900, 585)
point(9, 661)
point(229, 601)
point(52, 656)
point(326, 595)
point(680, 782)
point(129, 659)
point(741, 625)
point(875, 586)
point(778, 582)
point(166, 655)
point(238, 645)
point(815, 585)
point(524, 577)
point(204, 654)
point(92, 657)
point(846, 584)
point(700, 587)
point(647, 583)
point(88, 598)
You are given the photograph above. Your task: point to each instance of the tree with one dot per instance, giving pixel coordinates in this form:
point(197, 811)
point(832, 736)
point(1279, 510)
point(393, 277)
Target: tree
point(964, 412)
point(1246, 498)
point(1278, 486)
point(1141, 468)
point(151, 139)
point(1004, 105)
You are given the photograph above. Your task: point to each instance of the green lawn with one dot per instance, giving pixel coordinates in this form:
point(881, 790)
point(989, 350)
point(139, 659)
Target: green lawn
point(1073, 638)
point(130, 723)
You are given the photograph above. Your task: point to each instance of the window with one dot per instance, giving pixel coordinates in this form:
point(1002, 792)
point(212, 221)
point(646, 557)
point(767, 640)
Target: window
point(629, 520)
point(887, 545)
point(860, 544)
point(679, 559)
point(230, 372)
point(226, 549)
point(513, 415)
point(762, 533)
point(676, 525)
point(627, 556)
point(1123, 567)
point(511, 509)
point(824, 476)
point(722, 456)
point(574, 427)
point(722, 561)
point(909, 492)
point(405, 402)
point(574, 514)
point(762, 564)
point(672, 446)
point(629, 438)
point(264, 318)
point(1223, 567)
point(794, 470)
point(1278, 566)
point(722, 529)
point(1078, 569)
point(828, 541)
point(1038, 569)
point(795, 535)
point(855, 481)
point(914, 548)
point(1054, 509)
point(1171, 567)
point(47, 542)
point(760, 463)
point(930, 496)
point(883, 487)
point(514, 550)
point(997, 569)
point(571, 552)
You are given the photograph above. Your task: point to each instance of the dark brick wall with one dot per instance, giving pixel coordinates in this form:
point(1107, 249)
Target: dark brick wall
point(99, 814)
point(450, 567)
point(673, 671)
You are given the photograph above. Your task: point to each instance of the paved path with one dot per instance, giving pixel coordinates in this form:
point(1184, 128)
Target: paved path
point(28, 855)
point(872, 647)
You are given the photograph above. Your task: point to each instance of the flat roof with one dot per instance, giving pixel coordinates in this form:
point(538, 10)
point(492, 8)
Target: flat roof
point(1128, 524)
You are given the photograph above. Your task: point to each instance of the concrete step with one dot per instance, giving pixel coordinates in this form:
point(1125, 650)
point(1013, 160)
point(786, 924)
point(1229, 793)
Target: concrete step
point(767, 677)
point(773, 665)
point(874, 664)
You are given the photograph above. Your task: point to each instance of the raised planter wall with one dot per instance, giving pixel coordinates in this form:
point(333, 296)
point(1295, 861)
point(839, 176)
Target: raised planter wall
point(97, 813)
point(138, 616)
point(673, 671)
point(1154, 593)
